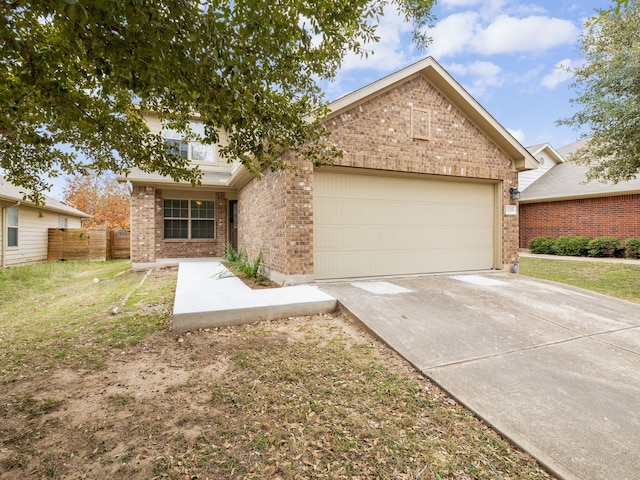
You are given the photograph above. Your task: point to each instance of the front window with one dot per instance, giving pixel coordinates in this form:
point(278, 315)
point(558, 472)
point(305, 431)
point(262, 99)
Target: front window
point(189, 219)
point(191, 150)
point(12, 227)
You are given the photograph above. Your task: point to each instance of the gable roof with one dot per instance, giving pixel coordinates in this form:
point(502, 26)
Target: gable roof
point(11, 193)
point(546, 147)
point(547, 158)
point(567, 180)
point(456, 94)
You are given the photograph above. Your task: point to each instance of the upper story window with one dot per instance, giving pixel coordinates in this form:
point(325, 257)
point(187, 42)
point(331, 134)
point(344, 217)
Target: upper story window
point(12, 226)
point(192, 150)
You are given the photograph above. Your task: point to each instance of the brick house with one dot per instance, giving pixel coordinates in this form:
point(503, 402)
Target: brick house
point(422, 187)
point(561, 202)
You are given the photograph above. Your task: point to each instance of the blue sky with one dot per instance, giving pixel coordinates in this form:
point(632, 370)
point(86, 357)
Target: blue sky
point(505, 53)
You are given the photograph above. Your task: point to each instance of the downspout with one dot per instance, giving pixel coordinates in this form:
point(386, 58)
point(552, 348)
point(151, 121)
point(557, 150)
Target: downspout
point(4, 232)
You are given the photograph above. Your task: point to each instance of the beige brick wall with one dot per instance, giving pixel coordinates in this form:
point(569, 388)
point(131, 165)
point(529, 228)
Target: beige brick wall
point(299, 220)
point(262, 219)
point(147, 228)
point(276, 212)
point(191, 248)
point(142, 224)
point(275, 216)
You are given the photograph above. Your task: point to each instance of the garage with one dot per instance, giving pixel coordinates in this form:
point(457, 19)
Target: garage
point(370, 224)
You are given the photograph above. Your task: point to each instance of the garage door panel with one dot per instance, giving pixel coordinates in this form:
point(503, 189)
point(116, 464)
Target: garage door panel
point(366, 225)
point(370, 212)
point(362, 239)
point(346, 265)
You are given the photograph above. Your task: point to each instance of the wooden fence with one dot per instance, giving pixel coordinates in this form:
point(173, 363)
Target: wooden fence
point(80, 244)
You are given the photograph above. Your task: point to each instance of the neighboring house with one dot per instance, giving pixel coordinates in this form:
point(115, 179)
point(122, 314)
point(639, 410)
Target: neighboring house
point(24, 226)
point(547, 158)
point(562, 202)
point(423, 187)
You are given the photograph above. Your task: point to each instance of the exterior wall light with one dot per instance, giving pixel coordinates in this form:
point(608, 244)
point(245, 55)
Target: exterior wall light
point(515, 193)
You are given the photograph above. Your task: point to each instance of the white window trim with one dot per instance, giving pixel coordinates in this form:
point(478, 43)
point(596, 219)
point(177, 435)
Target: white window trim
point(16, 227)
point(210, 151)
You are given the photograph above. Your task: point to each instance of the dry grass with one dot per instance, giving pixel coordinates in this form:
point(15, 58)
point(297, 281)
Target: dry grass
point(302, 398)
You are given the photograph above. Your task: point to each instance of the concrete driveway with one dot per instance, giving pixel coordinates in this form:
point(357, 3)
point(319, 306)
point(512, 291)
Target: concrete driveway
point(554, 368)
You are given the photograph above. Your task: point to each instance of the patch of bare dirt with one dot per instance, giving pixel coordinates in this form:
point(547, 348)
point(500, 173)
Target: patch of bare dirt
point(120, 421)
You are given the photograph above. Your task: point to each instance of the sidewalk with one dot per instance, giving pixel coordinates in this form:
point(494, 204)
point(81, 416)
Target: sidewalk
point(524, 252)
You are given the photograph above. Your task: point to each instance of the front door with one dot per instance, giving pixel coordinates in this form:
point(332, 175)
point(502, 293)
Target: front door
point(233, 224)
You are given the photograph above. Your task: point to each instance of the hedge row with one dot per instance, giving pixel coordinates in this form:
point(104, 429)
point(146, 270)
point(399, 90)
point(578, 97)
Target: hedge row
point(580, 246)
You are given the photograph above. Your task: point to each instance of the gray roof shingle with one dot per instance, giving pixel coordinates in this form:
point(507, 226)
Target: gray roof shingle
point(10, 192)
point(568, 180)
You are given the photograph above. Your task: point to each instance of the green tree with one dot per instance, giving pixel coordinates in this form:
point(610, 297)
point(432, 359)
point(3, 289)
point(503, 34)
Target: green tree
point(78, 75)
point(608, 85)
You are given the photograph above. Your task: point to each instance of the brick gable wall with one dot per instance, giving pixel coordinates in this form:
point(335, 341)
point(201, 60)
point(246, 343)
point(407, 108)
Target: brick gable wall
point(378, 134)
point(617, 216)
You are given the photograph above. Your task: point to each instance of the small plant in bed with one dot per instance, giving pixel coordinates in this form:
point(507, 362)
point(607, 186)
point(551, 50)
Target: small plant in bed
point(250, 271)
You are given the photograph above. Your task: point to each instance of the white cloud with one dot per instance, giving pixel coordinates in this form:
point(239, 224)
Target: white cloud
point(487, 6)
point(455, 34)
point(392, 52)
point(485, 75)
point(531, 34)
point(479, 68)
point(559, 75)
point(467, 32)
point(459, 3)
point(518, 135)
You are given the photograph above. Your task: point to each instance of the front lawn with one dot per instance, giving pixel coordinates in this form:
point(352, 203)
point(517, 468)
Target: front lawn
point(614, 279)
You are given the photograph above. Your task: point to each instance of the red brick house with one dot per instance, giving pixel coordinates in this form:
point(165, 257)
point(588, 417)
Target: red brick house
point(561, 202)
point(422, 187)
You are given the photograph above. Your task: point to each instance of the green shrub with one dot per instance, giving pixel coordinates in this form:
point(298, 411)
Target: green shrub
point(572, 246)
point(231, 255)
point(244, 265)
point(252, 268)
point(542, 245)
point(604, 247)
point(631, 247)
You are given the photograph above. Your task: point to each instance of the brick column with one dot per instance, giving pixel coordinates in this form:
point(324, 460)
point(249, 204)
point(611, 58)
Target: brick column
point(143, 224)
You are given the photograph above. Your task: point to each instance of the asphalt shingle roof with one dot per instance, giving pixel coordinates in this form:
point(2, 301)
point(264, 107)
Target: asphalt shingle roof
point(569, 180)
point(10, 192)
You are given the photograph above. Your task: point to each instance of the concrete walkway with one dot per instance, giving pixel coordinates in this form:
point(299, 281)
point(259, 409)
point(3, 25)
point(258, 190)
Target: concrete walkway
point(627, 261)
point(208, 295)
point(556, 369)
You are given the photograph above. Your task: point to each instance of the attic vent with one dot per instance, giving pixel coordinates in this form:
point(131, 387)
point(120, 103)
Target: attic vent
point(420, 124)
point(541, 161)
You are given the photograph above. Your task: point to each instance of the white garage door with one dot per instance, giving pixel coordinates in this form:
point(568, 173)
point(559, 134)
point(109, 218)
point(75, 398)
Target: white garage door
point(367, 225)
